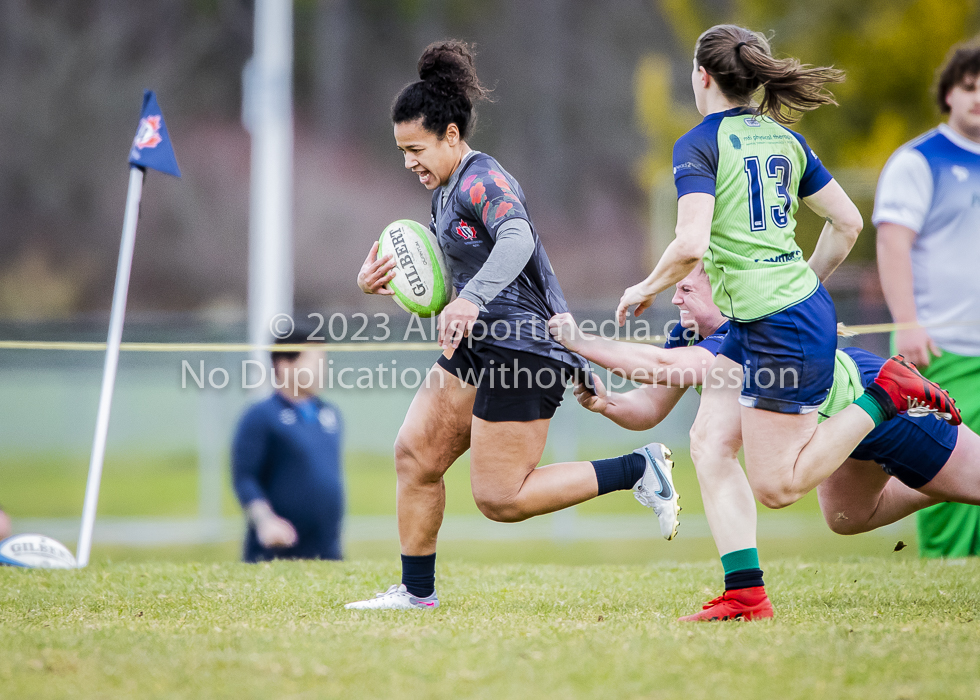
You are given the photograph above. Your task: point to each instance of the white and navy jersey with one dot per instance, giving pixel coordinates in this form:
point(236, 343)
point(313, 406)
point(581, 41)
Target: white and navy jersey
point(466, 213)
point(932, 186)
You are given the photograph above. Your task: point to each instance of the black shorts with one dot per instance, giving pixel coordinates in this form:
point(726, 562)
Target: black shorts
point(511, 385)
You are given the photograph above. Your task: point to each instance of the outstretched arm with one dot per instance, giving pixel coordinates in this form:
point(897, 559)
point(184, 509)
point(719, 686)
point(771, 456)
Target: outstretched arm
point(647, 364)
point(692, 234)
point(640, 409)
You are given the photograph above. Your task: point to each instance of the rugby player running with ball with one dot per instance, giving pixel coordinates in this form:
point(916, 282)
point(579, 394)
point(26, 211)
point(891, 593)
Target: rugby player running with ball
point(502, 376)
point(740, 176)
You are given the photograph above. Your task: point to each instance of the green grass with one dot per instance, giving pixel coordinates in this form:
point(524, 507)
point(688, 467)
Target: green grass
point(858, 628)
point(824, 547)
point(52, 485)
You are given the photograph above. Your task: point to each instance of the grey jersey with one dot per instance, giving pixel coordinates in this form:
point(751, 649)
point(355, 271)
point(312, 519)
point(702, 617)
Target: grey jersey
point(466, 215)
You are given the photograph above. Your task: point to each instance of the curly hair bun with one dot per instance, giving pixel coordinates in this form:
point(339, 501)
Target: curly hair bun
point(445, 92)
point(448, 68)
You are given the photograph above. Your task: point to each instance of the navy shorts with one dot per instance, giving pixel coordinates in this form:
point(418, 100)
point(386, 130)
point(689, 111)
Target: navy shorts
point(787, 358)
point(913, 450)
point(511, 385)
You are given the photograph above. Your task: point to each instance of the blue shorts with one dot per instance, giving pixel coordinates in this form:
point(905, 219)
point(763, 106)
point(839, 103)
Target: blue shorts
point(913, 450)
point(787, 358)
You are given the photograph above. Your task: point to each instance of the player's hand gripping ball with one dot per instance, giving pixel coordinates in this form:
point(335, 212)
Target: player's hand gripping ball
point(422, 284)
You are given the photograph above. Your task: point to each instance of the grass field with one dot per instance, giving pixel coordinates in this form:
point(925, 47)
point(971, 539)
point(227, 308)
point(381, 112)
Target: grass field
point(520, 619)
point(860, 628)
point(52, 484)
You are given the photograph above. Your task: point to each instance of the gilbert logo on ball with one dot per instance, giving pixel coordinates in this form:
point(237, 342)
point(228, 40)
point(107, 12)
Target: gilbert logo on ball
point(422, 283)
point(35, 552)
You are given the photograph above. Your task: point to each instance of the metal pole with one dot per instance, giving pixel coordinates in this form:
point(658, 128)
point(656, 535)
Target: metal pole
point(268, 116)
point(116, 318)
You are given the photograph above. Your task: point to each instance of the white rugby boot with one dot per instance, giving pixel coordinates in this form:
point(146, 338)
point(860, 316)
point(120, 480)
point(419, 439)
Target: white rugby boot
point(655, 489)
point(396, 597)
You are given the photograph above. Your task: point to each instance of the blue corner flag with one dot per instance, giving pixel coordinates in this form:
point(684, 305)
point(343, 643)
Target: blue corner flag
point(152, 147)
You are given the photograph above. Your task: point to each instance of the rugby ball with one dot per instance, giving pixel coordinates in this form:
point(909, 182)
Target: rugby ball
point(35, 552)
point(422, 284)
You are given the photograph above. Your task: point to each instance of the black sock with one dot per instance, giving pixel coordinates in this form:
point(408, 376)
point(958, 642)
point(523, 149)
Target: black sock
point(882, 398)
point(618, 473)
point(419, 574)
point(746, 578)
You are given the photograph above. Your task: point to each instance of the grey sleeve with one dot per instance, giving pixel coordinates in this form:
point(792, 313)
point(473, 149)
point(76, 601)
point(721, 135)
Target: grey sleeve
point(511, 251)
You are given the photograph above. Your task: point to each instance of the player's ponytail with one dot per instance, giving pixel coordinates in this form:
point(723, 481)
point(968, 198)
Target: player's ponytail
point(445, 92)
point(741, 62)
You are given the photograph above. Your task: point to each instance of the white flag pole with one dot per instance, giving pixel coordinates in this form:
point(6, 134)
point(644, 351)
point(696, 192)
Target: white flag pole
point(116, 318)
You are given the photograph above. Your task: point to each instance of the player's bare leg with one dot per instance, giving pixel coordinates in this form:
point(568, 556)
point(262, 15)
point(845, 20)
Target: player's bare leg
point(435, 433)
point(728, 501)
point(506, 484)
point(716, 437)
point(860, 497)
point(959, 479)
point(787, 455)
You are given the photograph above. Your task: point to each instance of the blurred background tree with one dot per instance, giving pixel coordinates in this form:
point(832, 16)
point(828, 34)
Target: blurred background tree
point(890, 50)
point(589, 99)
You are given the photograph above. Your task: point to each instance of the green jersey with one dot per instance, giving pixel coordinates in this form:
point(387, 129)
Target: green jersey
point(847, 388)
point(756, 170)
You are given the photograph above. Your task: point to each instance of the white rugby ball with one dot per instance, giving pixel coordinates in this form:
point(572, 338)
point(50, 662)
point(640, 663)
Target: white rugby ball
point(422, 285)
point(35, 552)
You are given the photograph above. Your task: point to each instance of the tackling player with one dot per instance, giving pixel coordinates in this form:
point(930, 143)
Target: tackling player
point(740, 176)
point(902, 466)
point(494, 394)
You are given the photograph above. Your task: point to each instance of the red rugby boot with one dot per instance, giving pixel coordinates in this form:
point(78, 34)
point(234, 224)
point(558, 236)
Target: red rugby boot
point(913, 393)
point(740, 604)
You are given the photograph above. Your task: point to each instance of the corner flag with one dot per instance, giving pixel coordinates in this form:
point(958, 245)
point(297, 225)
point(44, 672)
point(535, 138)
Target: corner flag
point(151, 147)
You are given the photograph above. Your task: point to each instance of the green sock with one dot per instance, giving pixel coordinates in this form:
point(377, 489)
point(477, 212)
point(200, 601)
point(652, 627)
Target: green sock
point(740, 559)
point(742, 569)
point(867, 403)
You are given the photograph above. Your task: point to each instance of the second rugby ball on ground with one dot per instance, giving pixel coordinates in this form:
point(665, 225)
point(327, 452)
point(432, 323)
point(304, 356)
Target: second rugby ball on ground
point(422, 285)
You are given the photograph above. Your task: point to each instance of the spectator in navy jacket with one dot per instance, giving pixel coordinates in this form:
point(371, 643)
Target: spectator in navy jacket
point(286, 462)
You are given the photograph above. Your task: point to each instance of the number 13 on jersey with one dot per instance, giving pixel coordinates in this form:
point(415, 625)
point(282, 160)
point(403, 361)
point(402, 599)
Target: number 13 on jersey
point(779, 169)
